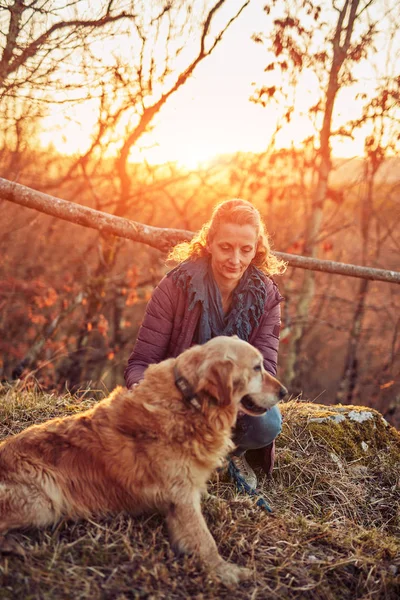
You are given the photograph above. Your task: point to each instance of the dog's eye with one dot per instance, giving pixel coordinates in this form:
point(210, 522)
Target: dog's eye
point(257, 368)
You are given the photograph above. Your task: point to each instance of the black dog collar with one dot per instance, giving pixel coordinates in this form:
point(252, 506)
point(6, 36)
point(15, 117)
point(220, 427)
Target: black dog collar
point(186, 389)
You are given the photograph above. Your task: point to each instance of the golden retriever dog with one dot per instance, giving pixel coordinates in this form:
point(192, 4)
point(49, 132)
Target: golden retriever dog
point(151, 448)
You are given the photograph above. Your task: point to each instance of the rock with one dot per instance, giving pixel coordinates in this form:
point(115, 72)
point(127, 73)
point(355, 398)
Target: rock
point(347, 432)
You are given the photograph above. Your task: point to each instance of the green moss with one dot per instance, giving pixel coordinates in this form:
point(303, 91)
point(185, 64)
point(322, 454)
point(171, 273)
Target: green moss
point(338, 429)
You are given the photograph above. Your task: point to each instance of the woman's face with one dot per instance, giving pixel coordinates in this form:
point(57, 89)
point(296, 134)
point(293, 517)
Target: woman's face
point(232, 249)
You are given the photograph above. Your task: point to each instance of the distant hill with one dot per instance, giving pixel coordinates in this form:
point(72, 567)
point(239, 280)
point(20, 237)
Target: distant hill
point(351, 170)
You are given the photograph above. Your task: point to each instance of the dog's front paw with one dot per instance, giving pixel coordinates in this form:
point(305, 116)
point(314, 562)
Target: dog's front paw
point(230, 574)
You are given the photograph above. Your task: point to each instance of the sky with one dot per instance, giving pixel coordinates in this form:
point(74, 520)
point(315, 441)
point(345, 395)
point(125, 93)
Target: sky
point(212, 114)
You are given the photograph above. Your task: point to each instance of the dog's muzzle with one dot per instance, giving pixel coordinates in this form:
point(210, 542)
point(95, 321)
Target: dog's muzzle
point(250, 404)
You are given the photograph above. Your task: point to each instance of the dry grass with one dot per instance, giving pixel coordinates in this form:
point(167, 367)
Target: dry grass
point(335, 531)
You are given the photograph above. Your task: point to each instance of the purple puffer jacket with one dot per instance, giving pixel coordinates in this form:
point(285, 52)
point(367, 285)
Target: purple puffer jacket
point(169, 326)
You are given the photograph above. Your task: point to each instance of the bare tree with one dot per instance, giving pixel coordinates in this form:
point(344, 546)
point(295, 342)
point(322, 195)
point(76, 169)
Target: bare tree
point(381, 114)
point(152, 50)
point(329, 40)
point(37, 35)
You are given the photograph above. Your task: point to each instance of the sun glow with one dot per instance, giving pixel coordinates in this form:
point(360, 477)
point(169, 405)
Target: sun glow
point(200, 123)
point(211, 114)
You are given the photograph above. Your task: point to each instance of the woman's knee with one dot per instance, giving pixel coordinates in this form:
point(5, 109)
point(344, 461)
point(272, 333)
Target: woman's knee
point(274, 425)
point(268, 427)
point(257, 432)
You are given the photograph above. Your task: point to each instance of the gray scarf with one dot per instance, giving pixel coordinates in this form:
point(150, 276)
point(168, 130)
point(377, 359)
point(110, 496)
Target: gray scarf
point(248, 299)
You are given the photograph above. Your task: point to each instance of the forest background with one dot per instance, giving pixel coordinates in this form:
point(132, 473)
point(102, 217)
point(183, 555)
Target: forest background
point(155, 111)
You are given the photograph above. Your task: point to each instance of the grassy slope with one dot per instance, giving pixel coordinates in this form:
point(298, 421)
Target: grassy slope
point(335, 532)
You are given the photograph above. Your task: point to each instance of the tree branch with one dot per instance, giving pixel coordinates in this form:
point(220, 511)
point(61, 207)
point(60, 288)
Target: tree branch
point(337, 268)
point(157, 237)
point(161, 238)
point(75, 24)
point(150, 111)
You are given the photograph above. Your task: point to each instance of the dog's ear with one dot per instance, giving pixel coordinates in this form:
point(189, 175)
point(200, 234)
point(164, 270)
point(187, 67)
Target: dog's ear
point(218, 381)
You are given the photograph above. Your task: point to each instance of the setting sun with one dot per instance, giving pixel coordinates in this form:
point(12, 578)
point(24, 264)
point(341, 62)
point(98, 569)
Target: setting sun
point(212, 114)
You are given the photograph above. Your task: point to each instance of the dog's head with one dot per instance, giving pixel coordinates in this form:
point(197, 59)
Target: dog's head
point(232, 371)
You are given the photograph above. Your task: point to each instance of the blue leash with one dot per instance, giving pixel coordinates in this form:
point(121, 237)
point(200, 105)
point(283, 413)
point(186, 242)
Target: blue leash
point(242, 486)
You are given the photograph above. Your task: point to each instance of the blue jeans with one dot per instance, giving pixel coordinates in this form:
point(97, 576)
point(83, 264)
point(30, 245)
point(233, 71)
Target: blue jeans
point(257, 432)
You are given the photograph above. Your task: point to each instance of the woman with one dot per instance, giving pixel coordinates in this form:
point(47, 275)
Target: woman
point(220, 287)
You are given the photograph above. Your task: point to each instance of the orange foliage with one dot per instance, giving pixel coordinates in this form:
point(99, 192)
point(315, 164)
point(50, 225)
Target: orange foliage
point(102, 325)
point(132, 298)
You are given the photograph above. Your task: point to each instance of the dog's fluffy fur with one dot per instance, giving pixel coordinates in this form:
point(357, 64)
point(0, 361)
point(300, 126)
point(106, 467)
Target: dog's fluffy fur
point(146, 449)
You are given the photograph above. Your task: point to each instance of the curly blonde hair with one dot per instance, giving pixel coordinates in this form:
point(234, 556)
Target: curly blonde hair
point(238, 212)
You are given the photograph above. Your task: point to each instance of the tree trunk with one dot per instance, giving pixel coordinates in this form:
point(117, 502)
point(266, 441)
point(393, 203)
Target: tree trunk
point(306, 294)
point(351, 372)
